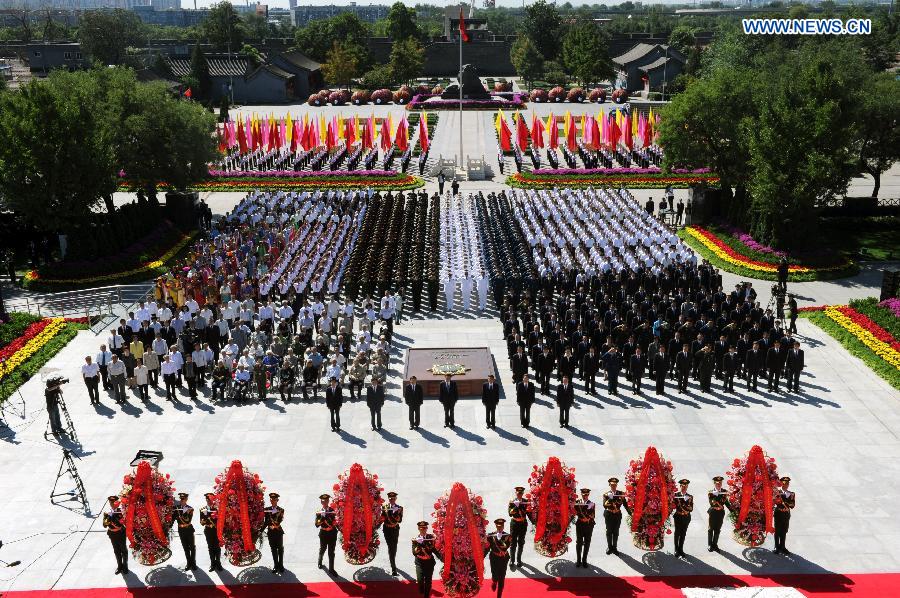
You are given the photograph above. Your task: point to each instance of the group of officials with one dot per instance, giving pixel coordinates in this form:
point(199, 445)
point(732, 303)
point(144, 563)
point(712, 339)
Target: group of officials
point(503, 550)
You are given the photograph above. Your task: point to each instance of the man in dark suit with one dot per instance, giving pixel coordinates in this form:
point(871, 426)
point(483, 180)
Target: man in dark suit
point(544, 367)
point(794, 367)
point(753, 362)
point(490, 396)
point(731, 365)
point(660, 365)
point(519, 363)
point(590, 365)
point(525, 399)
point(683, 362)
point(375, 401)
point(775, 364)
point(449, 394)
point(334, 398)
point(636, 366)
point(413, 395)
point(612, 363)
point(565, 398)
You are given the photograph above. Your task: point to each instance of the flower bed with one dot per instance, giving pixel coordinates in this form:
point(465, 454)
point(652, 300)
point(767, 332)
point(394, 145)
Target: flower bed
point(650, 490)
point(751, 483)
point(732, 255)
point(148, 498)
point(886, 314)
point(658, 180)
point(239, 496)
point(357, 502)
point(16, 327)
point(552, 506)
point(35, 281)
point(862, 337)
point(24, 356)
point(459, 537)
point(506, 100)
point(325, 180)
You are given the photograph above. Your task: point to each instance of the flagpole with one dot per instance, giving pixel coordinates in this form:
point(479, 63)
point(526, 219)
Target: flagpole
point(461, 30)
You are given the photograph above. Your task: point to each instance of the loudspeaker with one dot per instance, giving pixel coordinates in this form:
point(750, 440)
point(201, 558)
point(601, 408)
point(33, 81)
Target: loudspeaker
point(182, 210)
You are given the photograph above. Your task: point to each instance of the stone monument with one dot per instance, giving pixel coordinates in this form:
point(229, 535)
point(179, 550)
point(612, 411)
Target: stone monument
point(472, 89)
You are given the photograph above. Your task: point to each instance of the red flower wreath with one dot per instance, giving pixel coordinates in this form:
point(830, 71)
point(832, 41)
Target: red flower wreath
point(239, 496)
point(751, 487)
point(552, 506)
point(460, 540)
point(357, 502)
point(148, 500)
point(650, 489)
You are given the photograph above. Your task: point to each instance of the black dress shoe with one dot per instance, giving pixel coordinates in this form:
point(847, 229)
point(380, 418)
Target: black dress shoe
point(332, 572)
point(609, 551)
point(117, 571)
point(711, 549)
point(211, 569)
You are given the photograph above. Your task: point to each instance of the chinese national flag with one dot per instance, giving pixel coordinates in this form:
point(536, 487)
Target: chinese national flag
point(189, 94)
point(462, 27)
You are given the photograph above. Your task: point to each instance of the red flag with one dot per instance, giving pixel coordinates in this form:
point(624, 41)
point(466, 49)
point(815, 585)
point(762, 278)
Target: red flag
point(595, 133)
point(521, 133)
point(221, 139)
point(189, 94)
point(570, 138)
point(241, 137)
point(626, 129)
point(505, 136)
point(553, 134)
point(385, 135)
point(401, 139)
point(462, 27)
point(537, 132)
point(349, 132)
point(423, 133)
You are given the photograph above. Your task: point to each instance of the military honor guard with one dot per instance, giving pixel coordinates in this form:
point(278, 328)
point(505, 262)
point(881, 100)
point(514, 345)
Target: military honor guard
point(274, 516)
point(499, 543)
point(413, 395)
point(585, 519)
point(184, 515)
point(423, 552)
point(115, 531)
point(392, 517)
point(718, 502)
point(490, 396)
point(613, 503)
point(325, 521)
point(518, 517)
point(785, 500)
point(209, 519)
point(684, 505)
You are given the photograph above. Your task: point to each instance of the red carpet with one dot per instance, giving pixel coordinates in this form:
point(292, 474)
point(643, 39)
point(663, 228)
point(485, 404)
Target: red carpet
point(880, 585)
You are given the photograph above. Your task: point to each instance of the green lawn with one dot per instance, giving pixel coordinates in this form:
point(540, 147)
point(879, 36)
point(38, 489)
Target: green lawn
point(874, 238)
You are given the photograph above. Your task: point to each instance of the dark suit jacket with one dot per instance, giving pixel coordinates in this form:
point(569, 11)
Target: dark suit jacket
point(754, 361)
point(375, 398)
point(775, 359)
point(448, 395)
point(490, 396)
point(565, 397)
point(683, 361)
point(519, 364)
point(660, 365)
point(525, 396)
point(334, 398)
point(413, 398)
point(636, 365)
point(795, 362)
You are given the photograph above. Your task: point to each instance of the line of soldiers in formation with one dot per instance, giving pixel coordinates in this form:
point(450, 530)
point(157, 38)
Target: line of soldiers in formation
point(504, 548)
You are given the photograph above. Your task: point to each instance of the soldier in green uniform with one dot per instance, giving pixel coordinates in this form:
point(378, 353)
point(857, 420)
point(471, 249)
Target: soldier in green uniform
point(499, 543)
point(423, 551)
point(718, 502)
point(115, 531)
point(518, 513)
point(392, 516)
point(613, 503)
point(684, 504)
point(325, 521)
point(274, 516)
point(184, 514)
point(585, 519)
point(209, 519)
point(785, 500)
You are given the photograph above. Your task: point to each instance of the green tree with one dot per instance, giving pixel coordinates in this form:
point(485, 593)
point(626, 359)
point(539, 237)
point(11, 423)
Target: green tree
point(407, 59)
point(318, 38)
point(878, 127)
point(526, 59)
point(223, 27)
point(585, 53)
point(402, 22)
point(106, 34)
point(255, 26)
point(543, 25)
point(341, 65)
point(200, 73)
point(682, 39)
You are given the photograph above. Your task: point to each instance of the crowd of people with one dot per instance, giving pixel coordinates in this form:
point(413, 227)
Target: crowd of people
point(462, 263)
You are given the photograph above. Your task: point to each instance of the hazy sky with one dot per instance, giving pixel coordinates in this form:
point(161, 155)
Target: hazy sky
point(478, 3)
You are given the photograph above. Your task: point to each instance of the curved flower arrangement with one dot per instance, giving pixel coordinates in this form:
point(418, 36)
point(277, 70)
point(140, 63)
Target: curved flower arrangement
point(460, 540)
point(751, 482)
point(25, 355)
point(394, 181)
point(650, 490)
point(357, 502)
point(36, 336)
point(552, 506)
point(239, 495)
point(526, 180)
point(148, 498)
point(613, 171)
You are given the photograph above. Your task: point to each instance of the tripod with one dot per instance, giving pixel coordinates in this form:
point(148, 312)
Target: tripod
point(56, 400)
point(76, 495)
point(8, 405)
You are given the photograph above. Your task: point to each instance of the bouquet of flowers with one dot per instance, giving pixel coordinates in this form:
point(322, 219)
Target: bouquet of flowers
point(148, 500)
point(552, 506)
point(460, 540)
point(357, 502)
point(650, 489)
point(751, 487)
point(239, 494)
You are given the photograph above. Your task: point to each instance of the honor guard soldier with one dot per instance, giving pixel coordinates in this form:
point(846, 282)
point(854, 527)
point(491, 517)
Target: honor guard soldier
point(684, 504)
point(209, 519)
point(423, 551)
point(184, 514)
point(613, 503)
point(274, 516)
point(115, 530)
point(499, 543)
point(585, 519)
point(718, 502)
point(518, 514)
point(325, 521)
point(785, 501)
point(392, 516)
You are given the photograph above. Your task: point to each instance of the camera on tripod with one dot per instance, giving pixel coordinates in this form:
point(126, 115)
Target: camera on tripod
point(55, 382)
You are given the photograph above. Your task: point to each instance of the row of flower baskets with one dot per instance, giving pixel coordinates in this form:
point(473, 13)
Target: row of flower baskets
point(148, 268)
point(704, 239)
point(526, 180)
point(459, 519)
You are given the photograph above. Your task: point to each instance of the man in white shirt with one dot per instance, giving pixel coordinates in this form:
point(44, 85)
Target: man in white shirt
point(198, 356)
point(103, 359)
point(169, 370)
point(115, 342)
point(116, 371)
point(91, 374)
point(143, 314)
point(286, 312)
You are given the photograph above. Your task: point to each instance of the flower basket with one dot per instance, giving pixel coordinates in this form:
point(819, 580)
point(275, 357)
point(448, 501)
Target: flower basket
point(338, 98)
point(382, 96)
point(576, 94)
point(423, 89)
point(402, 96)
point(650, 490)
point(539, 95)
point(357, 502)
point(597, 95)
point(148, 500)
point(315, 100)
point(460, 540)
point(619, 96)
point(360, 97)
point(437, 90)
point(557, 94)
point(751, 487)
point(552, 506)
point(239, 495)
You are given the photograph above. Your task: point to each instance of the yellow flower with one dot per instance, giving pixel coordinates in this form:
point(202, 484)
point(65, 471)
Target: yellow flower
point(32, 347)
